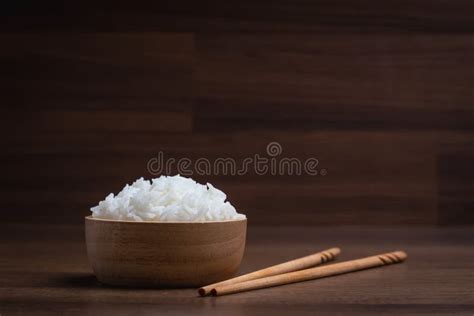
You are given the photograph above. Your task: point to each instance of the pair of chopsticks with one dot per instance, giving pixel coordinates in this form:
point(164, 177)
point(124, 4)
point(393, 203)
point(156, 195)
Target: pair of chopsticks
point(299, 270)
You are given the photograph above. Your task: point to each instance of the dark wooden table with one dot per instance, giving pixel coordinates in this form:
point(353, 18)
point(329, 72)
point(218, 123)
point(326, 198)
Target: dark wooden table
point(44, 270)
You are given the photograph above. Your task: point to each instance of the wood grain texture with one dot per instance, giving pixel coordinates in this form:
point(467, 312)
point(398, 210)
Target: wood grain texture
point(334, 269)
point(380, 93)
point(285, 267)
point(166, 255)
point(401, 182)
point(94, 71)
point(45, 271)
point(262, 15)
point(335, 81)
point(456, 184)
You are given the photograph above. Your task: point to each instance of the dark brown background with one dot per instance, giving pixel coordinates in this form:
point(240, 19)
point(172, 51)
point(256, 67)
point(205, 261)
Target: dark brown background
point(381, 92)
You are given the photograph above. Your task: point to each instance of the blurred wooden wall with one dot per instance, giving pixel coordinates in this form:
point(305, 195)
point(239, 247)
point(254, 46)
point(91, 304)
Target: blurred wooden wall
point(381, 92)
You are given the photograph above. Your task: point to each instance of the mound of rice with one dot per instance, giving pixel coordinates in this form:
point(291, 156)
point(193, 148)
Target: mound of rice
point(165, 199)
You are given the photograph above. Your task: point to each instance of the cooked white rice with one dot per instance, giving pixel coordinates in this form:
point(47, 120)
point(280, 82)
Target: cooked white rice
point(167, 199)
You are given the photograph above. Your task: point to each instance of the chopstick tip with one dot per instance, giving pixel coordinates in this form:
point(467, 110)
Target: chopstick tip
point(401, 254)
point(336, 250)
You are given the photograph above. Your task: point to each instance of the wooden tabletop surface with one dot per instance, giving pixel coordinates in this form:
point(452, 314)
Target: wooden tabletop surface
point(44, 270)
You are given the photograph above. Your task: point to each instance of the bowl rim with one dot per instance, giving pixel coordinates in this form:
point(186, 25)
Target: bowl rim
point(90, 218)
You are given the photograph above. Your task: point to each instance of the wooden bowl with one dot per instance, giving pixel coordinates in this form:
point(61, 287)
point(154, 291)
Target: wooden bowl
point(164, 254)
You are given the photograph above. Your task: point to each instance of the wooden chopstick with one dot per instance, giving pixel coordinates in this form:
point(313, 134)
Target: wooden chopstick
point(293, 265)
point(313, 273)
